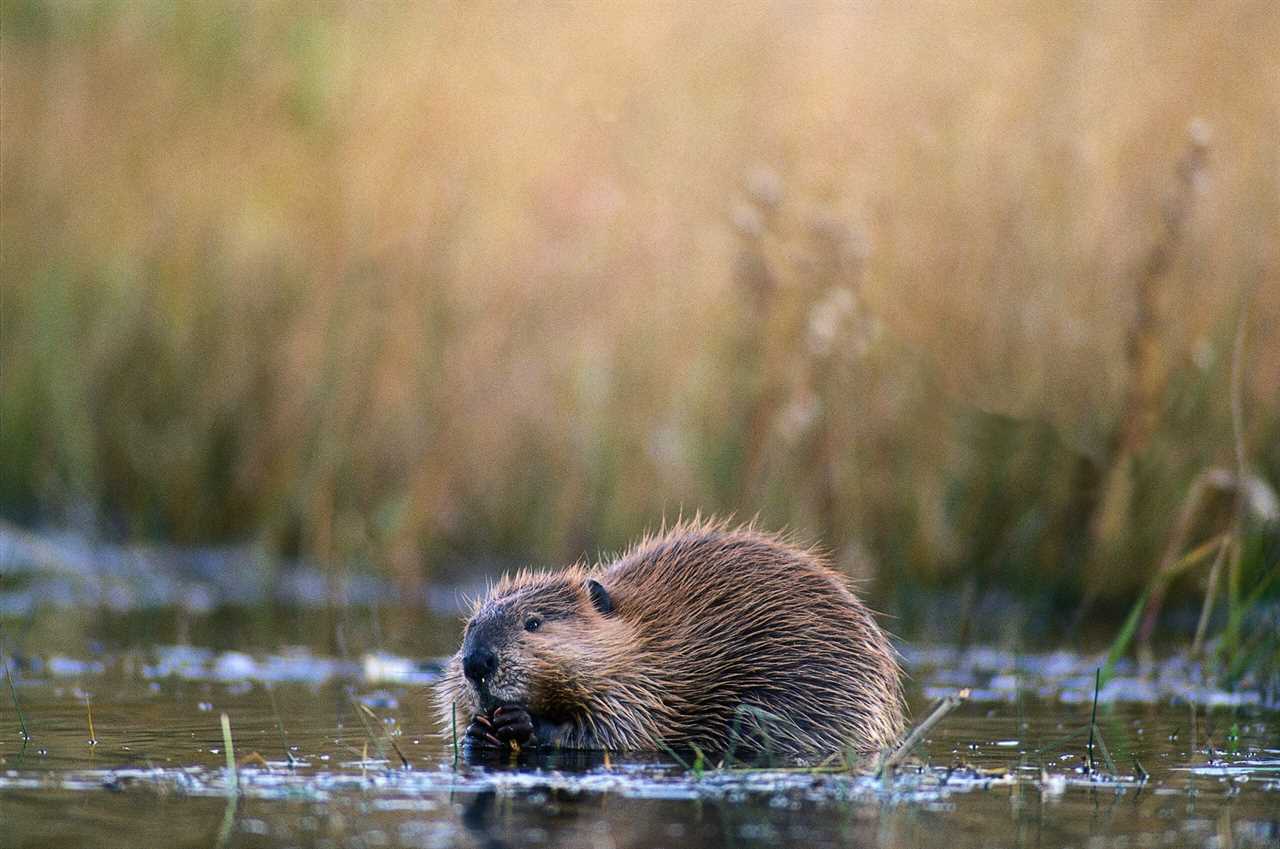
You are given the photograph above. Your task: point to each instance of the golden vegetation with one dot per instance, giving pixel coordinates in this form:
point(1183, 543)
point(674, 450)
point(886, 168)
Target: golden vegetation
point(931, 284)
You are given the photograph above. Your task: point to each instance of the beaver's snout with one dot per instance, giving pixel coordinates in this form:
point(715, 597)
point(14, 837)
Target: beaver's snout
point(479, 664)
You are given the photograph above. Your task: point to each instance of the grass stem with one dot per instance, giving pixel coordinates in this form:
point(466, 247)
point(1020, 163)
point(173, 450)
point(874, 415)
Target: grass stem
point(13, 694)
point(1093, 718)
point(88, 707)
point(365, 709)
point(1148, 604)
point(233, 777)
point(284, 740)
point(1197, 644)
point(233, 786)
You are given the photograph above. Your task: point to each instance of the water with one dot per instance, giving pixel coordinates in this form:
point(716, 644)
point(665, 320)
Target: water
point(1188, 765)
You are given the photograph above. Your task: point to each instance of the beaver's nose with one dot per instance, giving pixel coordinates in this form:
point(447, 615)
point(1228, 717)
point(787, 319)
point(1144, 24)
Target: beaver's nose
point(479, 664)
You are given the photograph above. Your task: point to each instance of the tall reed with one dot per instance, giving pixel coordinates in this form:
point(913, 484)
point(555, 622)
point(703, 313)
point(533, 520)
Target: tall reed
point(390, 286)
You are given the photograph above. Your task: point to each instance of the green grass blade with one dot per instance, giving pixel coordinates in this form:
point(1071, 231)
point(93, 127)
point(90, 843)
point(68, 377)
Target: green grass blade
point(1120, 644)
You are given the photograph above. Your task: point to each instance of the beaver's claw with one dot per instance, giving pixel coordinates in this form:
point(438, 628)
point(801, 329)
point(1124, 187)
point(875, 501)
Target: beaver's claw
point(508, 725)
point(480, 732)
point(513, 724)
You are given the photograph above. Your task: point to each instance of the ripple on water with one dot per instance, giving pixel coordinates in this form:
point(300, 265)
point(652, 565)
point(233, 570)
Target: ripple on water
point(1009, 762)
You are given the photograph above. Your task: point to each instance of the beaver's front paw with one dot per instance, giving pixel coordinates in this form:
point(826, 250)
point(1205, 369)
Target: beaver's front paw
point(480, 732)
point(513, 724)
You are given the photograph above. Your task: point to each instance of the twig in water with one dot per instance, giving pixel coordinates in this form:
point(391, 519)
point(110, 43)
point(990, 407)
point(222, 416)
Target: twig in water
point(672, 752)
point(944, 707)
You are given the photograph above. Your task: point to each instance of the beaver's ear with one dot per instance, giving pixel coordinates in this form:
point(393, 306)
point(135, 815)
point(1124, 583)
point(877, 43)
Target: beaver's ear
point(600, 597)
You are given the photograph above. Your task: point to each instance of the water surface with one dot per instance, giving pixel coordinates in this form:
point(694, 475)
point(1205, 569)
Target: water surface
point(1176, 762)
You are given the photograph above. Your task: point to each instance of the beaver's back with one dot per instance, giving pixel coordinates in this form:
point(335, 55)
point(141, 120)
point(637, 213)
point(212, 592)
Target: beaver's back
point(741, 627)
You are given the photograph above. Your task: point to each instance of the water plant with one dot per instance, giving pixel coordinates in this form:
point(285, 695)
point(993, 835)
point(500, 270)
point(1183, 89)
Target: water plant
point(284, 740)
point(228, 746)
point(88, 709)
point(13, 694)
point(1248, 547)
point(233, 786)
point(363, 711)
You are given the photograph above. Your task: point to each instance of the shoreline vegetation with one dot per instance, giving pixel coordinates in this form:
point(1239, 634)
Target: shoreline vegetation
point(362, 289)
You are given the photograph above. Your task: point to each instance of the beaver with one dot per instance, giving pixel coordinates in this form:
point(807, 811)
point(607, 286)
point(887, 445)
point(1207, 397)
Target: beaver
point(727, 639)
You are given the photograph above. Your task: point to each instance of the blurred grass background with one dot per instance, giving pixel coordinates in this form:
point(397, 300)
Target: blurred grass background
point(951, 288)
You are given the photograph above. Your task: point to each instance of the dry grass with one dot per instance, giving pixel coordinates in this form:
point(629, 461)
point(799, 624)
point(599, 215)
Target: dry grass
point(398, 281)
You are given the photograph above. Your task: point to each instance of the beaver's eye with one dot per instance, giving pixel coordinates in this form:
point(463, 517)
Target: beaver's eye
point(533, 623)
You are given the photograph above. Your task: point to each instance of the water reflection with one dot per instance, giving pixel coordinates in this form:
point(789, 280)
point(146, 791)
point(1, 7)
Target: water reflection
point(479, 820)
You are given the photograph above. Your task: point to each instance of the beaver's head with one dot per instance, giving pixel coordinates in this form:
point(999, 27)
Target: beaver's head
point(533, 641)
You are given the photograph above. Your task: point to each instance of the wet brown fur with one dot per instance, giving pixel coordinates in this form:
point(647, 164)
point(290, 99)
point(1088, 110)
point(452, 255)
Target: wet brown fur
point(719, 638)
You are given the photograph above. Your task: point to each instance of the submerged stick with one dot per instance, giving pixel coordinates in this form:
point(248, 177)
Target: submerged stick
point(255, 758)
point(674, 756)
point(944, 707)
